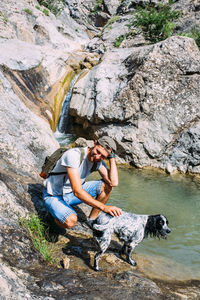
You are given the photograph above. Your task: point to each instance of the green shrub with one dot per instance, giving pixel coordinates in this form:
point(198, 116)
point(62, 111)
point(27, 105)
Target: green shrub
point(28, 11)
point(45, 12)
point(55, 6)
point(119, 40)
point(38, 232)
point(155, 22)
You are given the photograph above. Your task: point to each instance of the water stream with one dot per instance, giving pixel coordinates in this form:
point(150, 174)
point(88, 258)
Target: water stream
point(64, 121)
point(176, 197)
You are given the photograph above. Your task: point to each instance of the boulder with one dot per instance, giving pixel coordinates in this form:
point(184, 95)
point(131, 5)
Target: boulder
point(146, 98)
point(111, 6)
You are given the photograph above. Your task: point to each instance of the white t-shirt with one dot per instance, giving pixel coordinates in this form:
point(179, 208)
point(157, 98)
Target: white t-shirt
point(60, 184)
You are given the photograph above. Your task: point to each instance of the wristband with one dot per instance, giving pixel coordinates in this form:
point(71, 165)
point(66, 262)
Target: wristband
point(111, 155)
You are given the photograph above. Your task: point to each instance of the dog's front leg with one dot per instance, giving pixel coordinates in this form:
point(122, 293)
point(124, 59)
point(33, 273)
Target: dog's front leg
point(96, 261)
point(103, 243)
point(123, 249)
point(129, 250)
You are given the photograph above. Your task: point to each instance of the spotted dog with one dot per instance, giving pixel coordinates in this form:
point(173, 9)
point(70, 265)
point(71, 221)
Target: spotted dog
point(130, 228)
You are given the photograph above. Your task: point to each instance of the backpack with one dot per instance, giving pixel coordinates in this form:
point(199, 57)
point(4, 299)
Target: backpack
point(50, 162)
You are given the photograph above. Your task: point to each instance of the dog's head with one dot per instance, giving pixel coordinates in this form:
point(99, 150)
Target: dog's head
point(157, 226)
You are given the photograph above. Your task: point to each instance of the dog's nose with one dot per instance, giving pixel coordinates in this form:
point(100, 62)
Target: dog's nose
point(168, 230)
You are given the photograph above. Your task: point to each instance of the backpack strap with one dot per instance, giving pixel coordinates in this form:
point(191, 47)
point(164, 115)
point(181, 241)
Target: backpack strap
point(82, 155)
point(81, 160)
point(57, 173)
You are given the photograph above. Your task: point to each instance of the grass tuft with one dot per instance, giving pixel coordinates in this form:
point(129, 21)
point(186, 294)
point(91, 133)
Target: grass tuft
point(119, 40)
point(194, 34)
point(45, 12)
point(4, 18)
point(38, 232)
point(28, 11)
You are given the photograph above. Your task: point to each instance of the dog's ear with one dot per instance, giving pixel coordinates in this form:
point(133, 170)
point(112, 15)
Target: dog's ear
point(151, 226)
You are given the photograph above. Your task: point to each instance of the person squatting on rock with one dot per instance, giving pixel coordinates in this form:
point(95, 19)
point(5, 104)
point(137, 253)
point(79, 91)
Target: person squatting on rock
point(62, 192)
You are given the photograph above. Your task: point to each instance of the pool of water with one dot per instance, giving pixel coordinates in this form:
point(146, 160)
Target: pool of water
point(176, 197)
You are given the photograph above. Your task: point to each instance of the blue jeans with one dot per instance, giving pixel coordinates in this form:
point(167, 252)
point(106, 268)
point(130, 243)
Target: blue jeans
point(60, 206)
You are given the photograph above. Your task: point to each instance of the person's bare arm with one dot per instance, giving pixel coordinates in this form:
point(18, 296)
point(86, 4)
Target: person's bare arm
point(81, 194)
point(110, 176)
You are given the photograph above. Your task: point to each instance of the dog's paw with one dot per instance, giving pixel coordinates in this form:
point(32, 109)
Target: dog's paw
point(132, 262)
point(98, 269)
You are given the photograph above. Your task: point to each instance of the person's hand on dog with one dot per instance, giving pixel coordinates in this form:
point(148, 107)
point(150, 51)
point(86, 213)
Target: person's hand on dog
point(112, 210)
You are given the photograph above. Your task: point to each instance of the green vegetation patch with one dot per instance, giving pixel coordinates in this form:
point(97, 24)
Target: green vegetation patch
point(97, 6)
point(3, 17)
point(55, 6)
point(123, 37)
point(194, 33)
point(110, 22)
point(45, 12)
point(38, 232)
point(156, 22)
point(119, 40)
point(28, 11)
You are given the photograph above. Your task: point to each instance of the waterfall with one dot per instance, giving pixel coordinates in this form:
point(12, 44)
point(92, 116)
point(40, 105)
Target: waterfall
point(64, 121)
point(62, 134)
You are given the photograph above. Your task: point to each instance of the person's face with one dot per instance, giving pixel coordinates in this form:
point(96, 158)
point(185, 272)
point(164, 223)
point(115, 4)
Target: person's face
point(97, 154)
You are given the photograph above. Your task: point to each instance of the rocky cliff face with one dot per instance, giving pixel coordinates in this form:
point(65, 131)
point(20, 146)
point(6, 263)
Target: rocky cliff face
point(148, 103)
point(145, 96)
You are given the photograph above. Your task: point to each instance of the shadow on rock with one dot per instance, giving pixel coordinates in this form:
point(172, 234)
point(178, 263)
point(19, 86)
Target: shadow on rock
point(80, 247)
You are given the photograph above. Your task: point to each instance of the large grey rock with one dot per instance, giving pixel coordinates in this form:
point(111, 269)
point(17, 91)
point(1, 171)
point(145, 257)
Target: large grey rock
point(95, 91)
point(33, 39)
point(147, 103)
point(25, 138)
